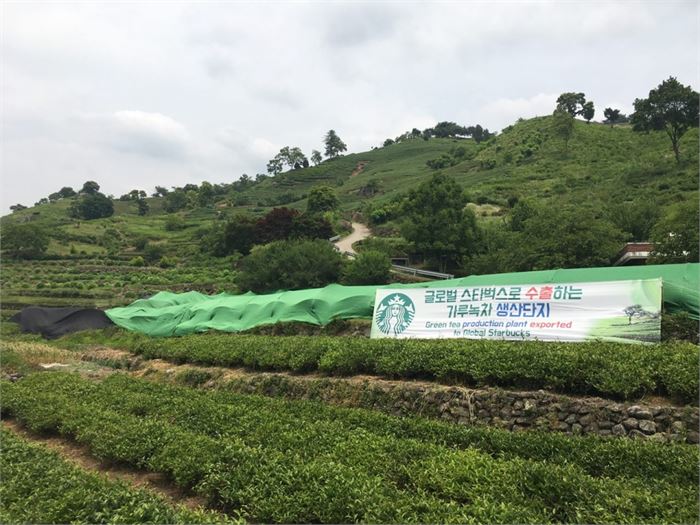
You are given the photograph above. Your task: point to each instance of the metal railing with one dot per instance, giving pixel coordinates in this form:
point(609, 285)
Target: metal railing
point(426, 273)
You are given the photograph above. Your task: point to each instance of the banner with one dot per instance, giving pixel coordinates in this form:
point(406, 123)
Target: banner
point(628, 311)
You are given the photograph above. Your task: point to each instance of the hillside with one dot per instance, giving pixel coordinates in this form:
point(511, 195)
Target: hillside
point(602, 166)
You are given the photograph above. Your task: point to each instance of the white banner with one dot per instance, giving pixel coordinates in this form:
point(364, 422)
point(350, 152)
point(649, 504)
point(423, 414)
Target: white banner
point(613, 311)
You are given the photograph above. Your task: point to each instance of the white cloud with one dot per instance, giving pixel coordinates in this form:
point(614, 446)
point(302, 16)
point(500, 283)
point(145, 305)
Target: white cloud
point(213, 90)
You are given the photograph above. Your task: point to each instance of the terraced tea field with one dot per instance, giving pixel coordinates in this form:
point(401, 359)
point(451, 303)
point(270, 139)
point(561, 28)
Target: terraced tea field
point(290, 457)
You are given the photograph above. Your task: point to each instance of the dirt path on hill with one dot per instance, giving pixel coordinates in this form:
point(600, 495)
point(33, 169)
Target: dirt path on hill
point(359, 232)
point(358, 169)
point(80, 456)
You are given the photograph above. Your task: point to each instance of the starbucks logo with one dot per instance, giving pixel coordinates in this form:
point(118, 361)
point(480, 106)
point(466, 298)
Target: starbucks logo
point(394, 313)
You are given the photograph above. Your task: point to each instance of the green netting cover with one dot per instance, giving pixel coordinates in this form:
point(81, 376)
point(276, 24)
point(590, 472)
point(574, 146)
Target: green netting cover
point(167, 314)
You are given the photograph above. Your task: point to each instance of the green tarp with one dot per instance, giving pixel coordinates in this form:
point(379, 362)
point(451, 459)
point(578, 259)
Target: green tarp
point(167, 314)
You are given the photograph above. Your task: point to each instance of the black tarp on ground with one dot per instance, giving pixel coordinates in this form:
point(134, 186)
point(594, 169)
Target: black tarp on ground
point(55, 322)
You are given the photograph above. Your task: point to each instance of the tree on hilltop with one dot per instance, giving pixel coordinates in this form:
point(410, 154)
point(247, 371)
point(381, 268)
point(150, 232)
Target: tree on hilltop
point(588, 111)
point(316, 157)
point(572, 103)
point(611, 116)
point(671, 107)
point(334, 146)
point(563, 126)
point(321, 198)
point(90, 187)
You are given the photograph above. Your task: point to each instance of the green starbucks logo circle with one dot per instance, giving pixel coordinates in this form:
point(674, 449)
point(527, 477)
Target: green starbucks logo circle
point(394, 313)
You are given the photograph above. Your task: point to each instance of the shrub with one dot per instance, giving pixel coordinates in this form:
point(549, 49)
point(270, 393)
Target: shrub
point(369, 267)
point(175, 223)
point(290, 265)
point(137, 261)
point(152, 253)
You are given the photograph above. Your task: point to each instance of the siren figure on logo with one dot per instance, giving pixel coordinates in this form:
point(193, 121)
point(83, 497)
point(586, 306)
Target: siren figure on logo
point(394, 314)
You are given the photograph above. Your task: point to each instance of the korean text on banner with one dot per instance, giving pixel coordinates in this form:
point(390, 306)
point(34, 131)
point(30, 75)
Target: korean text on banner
point(627, 311)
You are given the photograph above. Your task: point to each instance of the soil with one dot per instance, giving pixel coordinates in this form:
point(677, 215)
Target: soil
point(80, 456)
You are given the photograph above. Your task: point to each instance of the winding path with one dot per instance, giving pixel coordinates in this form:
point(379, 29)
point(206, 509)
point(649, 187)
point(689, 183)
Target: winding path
point(359, 232)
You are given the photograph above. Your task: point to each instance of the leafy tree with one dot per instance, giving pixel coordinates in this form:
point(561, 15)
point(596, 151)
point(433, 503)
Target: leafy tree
point(334, 146)
point(175, 223)
point(275, 166)
point(611, 116)
point(53, 197)
point(566, 237)
point(92, 206)
point(43, 200)
point(142, 206)
point(671, 107)
point(175, 201)
point(90, 188)
point(160, 191)
point(368, 267)
point(448, 129)
point(415, 133)
point(276, 225)
point(66, 192)
point(311, 226)
point(24, 241)
point(205, 194)
point(675, 237)
point(478, 133)
point(571, 102)
point(563, 126)
point(437, 223)
point(387, 142)
point(320, 199)
point(316, 157)
point(152, 253)
point(635, 310)
point(636, 218)
point(290, 265)
point(588, 111)
point(522, 211)
point(17, 207)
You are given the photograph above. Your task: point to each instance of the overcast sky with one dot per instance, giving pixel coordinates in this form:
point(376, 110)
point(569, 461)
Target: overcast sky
point(137, 94)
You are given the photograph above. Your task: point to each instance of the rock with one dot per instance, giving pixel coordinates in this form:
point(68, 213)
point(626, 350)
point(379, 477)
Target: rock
point(677, 427)
point(658, 437)
point(648, 427)
point(630, 423)
point(619, 430)
point(571, 418)
point(605, 424)
point(530, 404)
point(518, 405)
point(604, 432)
point(562, 426)
point(576, 428)
point(693, 437)
point(522, 420)
point(52, 366)
point(636, 434)
point(587, 419)
point(638, 412)
point(584, 409)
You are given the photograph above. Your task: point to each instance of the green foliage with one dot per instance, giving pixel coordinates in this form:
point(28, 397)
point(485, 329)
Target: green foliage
point(563, 126)
point(368, 267)
point(436, 221)
point(92, 206)
point(334, 146)
point(90, 188)
point(635, 218)
point(167, 262)
point(175, 223)
point(24, 241)
point(137, 261)
point(615, 370)
point(305, 462)
point(237, 235)
point(671, 107)
point(320, 199)
point(142, 206)
point(676, 237)
point(175, 201)
point(572, 103)
point(290, 265)
point(41, 487)
point(153, 252)
point(611, 116)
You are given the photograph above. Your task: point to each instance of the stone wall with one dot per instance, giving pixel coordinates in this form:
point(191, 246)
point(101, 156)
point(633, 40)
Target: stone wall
point(516, 411)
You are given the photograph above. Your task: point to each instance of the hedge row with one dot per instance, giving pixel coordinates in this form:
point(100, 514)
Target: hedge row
point(38, 486)
point(608, 369)
point(275, 461)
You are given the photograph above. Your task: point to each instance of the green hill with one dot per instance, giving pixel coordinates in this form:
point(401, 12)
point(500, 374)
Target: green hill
point(602, 166)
